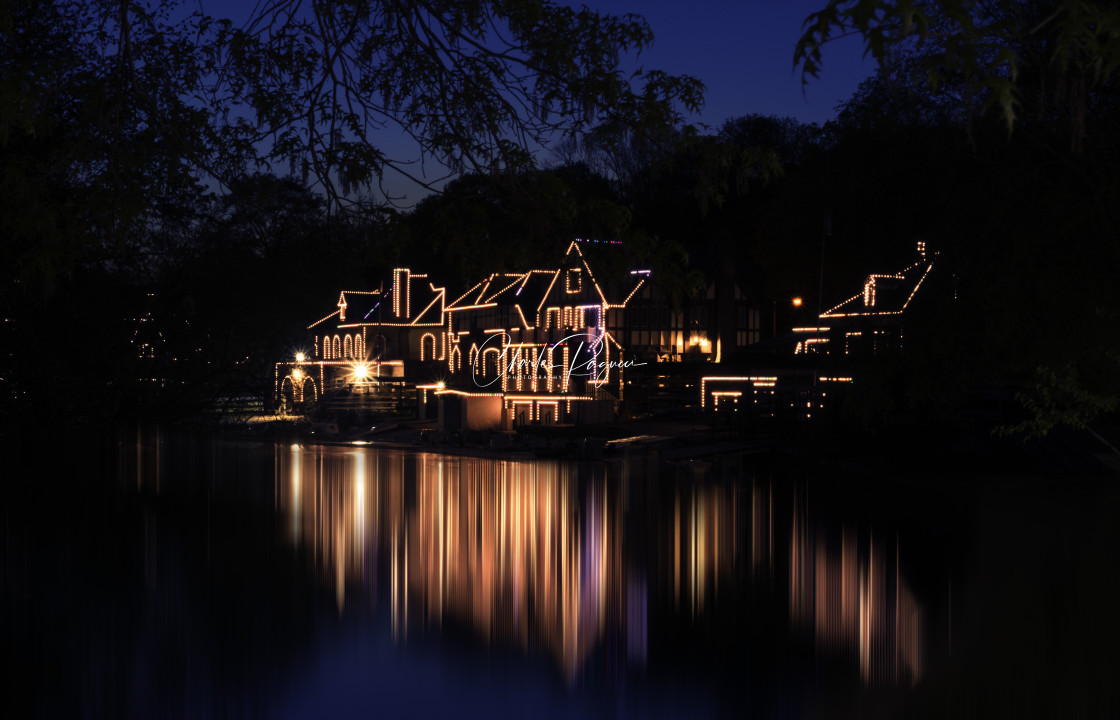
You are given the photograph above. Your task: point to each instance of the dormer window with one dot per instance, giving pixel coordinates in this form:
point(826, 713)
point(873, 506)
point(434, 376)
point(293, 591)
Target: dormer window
point(574, 280)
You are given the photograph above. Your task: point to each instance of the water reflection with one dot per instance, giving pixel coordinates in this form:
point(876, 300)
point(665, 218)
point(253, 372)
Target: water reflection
point(524, 553)
point(854, 600)
point(705, 541)
point(656, 582)
point(148, 575)
point(548, 555)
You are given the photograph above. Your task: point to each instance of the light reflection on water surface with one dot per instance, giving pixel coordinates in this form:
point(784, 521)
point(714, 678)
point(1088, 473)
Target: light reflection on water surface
point(547, 555)
point(204, 576)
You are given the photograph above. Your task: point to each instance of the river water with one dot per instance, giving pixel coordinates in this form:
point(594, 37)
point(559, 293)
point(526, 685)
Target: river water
point(155, 574)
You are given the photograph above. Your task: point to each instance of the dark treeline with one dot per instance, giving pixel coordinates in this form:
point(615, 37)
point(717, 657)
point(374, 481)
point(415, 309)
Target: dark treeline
point(177, 190)
point(1024, 304)
point(145, 292)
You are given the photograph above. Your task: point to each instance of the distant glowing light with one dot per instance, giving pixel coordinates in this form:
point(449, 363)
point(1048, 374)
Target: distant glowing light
point(697, 339)
point(797, 302)
point(300, 357)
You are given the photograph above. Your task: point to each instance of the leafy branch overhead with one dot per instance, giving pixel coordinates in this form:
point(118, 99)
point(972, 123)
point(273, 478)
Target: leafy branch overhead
point(117, 117)
point(476, 85)
point(1059, 50)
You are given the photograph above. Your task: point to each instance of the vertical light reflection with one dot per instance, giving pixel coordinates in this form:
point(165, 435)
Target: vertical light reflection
point(704, 541)
point(853, 599)
point(326, 496)
point(296, 473)
point(515, 550)
point(676, 549)
point(359, 539)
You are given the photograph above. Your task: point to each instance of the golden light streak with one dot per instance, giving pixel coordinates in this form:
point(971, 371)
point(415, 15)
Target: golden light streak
point(506, 547)
point(528, 554)
point(856, 602)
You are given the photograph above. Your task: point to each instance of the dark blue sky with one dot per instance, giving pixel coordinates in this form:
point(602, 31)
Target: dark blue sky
point(743, 51)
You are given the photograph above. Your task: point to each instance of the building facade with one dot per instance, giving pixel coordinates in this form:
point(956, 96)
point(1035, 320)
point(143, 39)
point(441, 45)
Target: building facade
point(873, 320)
point(541, 346)
point(545, 346)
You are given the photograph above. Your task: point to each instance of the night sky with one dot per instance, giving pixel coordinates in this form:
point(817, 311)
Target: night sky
point(741, 49)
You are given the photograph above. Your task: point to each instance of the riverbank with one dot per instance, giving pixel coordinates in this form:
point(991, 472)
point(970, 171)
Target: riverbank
point(973, 455)
point(674, 440)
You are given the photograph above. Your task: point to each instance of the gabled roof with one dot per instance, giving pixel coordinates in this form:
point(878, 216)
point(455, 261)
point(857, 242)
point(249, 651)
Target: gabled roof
point(471, 297)
point(525, 291)
point(355, 307)
point(359, 304)
point(615, 291)
point(531, 291)
point(424, 304)
point(501, 287)
point(884, 295)
point(322, 320)
point(558, 280)
point(428, 304)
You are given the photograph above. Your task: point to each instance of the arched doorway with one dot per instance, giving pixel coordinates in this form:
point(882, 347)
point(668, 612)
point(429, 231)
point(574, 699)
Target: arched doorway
point(287, 401)
point(310, 393)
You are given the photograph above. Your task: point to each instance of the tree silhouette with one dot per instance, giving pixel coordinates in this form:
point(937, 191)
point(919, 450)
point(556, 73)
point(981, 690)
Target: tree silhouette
point(1046, 57)
point(477, 86)
point(1023, 222)
point(120, 120)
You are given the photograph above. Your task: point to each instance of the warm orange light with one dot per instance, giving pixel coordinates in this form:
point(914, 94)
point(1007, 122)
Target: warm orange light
point(797, 302)
point(361, 372)
point(697, 339)
point(297, 374)
point(300, 357)
point(533, 555)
